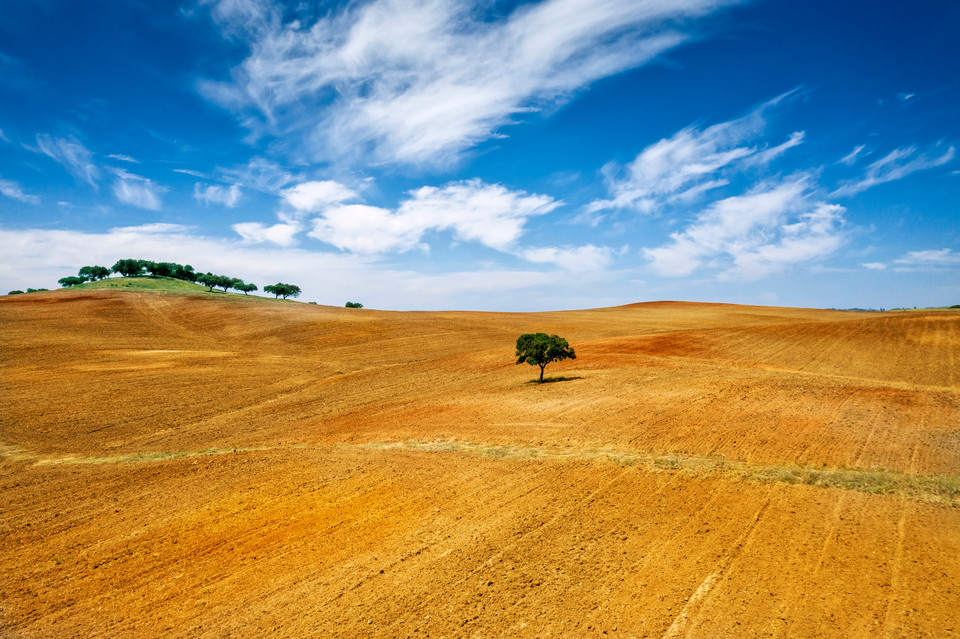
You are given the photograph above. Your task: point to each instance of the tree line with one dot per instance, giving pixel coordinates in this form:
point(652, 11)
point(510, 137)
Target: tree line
point(139, 268)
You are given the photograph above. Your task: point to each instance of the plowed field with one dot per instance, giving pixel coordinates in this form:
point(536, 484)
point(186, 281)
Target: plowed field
point(204, 466)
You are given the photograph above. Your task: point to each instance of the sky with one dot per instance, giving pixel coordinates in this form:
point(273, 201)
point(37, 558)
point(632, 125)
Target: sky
point(491, 155)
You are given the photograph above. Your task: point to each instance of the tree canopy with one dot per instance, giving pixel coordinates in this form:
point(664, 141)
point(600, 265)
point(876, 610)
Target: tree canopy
point(354, 305)
point(282, 290)
point(93, 273)
point(539, 349)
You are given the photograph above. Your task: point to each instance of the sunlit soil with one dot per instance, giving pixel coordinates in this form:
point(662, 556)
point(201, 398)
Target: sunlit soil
point(177, 465)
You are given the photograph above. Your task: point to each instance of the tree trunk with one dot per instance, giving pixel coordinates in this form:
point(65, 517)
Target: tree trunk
point(542, 366)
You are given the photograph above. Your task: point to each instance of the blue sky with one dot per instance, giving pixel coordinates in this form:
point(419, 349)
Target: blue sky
point(437, 154)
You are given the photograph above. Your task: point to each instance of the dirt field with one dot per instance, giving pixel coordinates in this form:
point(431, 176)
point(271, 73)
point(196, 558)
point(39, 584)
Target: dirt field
point(206, 466)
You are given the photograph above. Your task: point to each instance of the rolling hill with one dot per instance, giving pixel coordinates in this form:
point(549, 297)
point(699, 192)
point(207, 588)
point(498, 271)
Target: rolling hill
point(211, 465)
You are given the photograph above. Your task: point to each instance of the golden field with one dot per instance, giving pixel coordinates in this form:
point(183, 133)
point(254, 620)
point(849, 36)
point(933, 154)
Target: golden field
point(208, 465)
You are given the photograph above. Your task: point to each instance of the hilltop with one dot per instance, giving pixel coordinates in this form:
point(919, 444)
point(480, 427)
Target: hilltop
point(185, 464)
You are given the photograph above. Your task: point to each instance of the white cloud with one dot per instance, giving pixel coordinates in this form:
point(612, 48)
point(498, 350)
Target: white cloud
point(279, 234)
point(473, 211)
point(3, 136)
point(137, 190)
point(894, 166)
point(315, 196)
point(39, 257)
point(581, 258)
point(747, 237)
point(228, 196)
point(197, 174)
point(72, 155)
point(932, 258)
point(258, 174)
point(851, 157)
point(690, 163)
point(420, 82)
point(13, 190)
point(874, 266)
point(123, 158)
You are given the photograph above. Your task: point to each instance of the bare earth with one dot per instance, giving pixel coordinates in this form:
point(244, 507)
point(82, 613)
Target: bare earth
point(200, 466)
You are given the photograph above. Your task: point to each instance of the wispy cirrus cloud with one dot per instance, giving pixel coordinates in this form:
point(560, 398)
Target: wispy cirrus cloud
point(421, 82)
point(137, 190)
point(690, 163)
point(228, 196)
point(896, 165)
point(473, 211)
point(72, 155)
point(13, 190)
point(928, 260)
point(282, 234)
point(769, 229)
point(123, 158)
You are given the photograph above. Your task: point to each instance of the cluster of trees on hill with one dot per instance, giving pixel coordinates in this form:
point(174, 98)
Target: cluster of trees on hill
point(139, 268)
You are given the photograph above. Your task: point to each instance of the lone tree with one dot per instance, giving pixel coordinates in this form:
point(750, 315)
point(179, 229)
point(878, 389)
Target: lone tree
point(282, 290)
point(539, 349)
point(354, 305)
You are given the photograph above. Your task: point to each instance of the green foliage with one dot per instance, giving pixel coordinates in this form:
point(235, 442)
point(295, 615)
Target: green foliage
point(245, 288)
point(36, 290)
point(67, 282)
point(15, 292)
point(354, 305)
point(128, 267)
point(93, 273)
point(539, 349)
point(282, 290)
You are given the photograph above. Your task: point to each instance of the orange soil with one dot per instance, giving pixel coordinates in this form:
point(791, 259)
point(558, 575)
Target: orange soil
point(316, 510)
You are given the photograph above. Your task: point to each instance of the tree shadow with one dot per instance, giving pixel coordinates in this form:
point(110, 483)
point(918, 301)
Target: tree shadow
point(551, 380)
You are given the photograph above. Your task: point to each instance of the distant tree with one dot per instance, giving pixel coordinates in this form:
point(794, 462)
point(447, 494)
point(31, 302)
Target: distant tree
point(128, 267)
point(245, 288)
point(185, 273)
point(209, 280)
point(67, 282)
point(36, 290)
point(282, 290)
point(354, 305)
point(94, 272)
point(539, 349)
point(149, 266)
point(15, 292)
point(227, 282)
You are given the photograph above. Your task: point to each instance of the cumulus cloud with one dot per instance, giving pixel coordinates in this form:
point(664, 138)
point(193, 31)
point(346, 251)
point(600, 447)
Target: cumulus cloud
point(473, 211)
point(72, 155)
point(228, 196)
point(13, 190)
point(750, 236)
point(690, 163)
point(420, 82)
point(315, 196)
point(279, 234)
point(896, 165)
point(580, 258)
point(137, 190)
point(38, 257)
